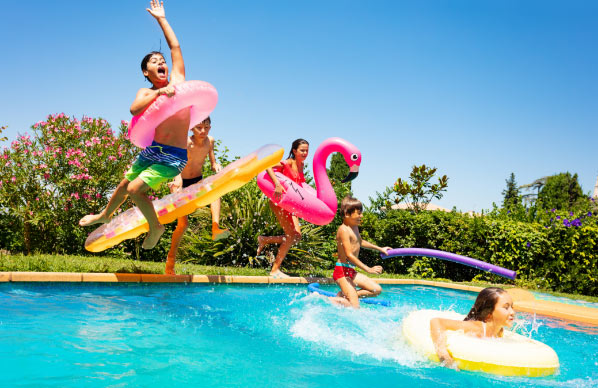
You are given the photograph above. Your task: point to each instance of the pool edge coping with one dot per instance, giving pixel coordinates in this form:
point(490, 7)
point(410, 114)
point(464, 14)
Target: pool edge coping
point(523, 300)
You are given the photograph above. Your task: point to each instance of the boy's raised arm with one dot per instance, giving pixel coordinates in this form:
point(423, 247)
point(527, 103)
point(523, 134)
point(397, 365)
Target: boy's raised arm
point(178, 66)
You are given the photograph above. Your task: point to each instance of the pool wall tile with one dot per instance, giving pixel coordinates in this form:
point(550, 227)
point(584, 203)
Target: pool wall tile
point(100, 277)
point(46, 277)
point(128, 277)
point(152, 278)
point(249, 279)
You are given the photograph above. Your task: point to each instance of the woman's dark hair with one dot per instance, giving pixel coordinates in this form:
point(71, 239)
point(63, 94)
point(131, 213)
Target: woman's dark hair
point(146, 59)
point(484, 304)
point(296, 145)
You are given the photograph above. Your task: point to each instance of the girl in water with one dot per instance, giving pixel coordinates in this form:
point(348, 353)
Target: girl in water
point(491, 312)
point(292, 167)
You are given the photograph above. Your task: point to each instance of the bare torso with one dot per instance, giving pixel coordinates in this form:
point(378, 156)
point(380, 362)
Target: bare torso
point(173, 131)
point(197, 152)
point(354, 240)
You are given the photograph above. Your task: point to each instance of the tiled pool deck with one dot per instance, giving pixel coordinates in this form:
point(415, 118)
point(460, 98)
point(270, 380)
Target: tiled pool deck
point(524, 300)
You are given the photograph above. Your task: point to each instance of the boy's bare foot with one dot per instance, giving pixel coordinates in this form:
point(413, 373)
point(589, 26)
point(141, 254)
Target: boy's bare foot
point(260, 245)
point(152, 238)
point(169, 270)
point(219, 234)
point(91, 219)
point(278, 274)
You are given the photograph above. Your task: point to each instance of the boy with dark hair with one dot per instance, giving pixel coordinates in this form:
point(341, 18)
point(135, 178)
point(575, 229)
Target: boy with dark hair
point(200, 146)
point(349, 242)
point(166, 157)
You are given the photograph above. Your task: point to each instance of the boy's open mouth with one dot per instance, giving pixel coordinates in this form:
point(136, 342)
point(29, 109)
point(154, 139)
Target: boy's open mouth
point(161, 70)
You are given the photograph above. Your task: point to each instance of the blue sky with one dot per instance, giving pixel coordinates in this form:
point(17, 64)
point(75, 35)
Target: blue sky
point(478, 89)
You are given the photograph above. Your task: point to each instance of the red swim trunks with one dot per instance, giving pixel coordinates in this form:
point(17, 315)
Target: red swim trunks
point(343, 270)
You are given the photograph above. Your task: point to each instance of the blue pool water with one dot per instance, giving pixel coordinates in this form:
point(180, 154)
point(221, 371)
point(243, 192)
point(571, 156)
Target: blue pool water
point(146, 335)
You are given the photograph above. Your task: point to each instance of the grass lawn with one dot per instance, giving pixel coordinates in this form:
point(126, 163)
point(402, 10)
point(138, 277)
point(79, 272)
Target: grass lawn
point(107, 264)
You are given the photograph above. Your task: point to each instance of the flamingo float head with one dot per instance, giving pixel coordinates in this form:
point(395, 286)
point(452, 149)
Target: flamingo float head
point(353, 158)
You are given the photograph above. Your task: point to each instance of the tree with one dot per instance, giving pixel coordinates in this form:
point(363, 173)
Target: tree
point(561, 192)
point(420, 191)
point(512, 196)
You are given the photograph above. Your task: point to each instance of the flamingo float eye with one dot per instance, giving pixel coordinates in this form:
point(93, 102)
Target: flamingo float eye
point(354, 157)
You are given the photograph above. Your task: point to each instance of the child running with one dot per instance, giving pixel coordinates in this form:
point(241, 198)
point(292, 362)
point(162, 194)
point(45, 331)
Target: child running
point(349, 242)
point(166, 157)
point(199, 147)
point(491, 311)
point(292, 167)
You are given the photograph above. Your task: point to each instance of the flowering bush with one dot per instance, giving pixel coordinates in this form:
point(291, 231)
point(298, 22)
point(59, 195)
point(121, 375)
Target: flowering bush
point(48, 181)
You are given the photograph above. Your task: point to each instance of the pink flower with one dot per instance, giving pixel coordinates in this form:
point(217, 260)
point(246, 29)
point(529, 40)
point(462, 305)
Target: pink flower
point(13, 179)
point(37, 198)
point(97, 195)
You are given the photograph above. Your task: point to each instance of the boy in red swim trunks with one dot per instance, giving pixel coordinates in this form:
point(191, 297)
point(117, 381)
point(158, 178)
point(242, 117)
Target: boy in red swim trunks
point(199, 146)
point(349, 242)
point(166, 157)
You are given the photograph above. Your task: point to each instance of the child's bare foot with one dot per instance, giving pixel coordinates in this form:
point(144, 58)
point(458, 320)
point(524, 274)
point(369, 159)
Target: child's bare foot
point(278, 274)
point(169, 270)
point(219, 234)
point(152, 238)
point(260, 245)
point(91, 219)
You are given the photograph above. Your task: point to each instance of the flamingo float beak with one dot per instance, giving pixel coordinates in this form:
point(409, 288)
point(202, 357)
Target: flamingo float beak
point(353, 172)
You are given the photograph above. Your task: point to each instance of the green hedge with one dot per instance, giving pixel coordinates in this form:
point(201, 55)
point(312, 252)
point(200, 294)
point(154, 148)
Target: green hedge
point(554, 256)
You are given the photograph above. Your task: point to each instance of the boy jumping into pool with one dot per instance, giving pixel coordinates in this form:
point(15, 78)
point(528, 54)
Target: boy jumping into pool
point(199, 147)
point(167, 155)
point(349, 242)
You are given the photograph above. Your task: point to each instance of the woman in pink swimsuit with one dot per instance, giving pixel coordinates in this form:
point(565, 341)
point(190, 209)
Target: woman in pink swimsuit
point(292, 167)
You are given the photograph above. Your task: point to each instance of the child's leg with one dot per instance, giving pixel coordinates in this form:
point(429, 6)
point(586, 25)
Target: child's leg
point(262, 241)
point(292, 235)
point(181, 226)
point(368, 287)
point(137, 189)
point(118, 197)
point(217, 233)
point(350, 299)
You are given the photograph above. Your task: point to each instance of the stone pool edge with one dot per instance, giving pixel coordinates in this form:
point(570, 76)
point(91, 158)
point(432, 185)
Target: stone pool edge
point(523, 300)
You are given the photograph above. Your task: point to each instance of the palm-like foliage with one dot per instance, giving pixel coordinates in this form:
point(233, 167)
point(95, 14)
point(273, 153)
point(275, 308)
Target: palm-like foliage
point(247, 214)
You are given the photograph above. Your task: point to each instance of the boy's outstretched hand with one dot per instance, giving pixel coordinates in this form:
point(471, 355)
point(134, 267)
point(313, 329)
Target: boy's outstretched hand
point(157, 9)
point(385, 250)
point(377, 269)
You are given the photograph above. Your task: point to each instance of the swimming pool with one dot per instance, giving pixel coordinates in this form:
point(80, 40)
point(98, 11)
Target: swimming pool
point(135, 334)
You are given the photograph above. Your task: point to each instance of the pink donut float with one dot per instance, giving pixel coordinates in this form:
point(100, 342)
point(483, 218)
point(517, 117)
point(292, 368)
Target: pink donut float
point(200, 96)
point(314, 206)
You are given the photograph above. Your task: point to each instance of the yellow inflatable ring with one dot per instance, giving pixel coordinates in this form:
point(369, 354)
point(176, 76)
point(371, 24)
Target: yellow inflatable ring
point(511, 355)
point(131, 223)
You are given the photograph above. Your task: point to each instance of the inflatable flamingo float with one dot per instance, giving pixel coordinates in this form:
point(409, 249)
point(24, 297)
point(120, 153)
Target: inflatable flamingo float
point(317, 207)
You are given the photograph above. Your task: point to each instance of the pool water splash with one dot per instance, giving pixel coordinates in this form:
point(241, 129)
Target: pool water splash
point(372, 331)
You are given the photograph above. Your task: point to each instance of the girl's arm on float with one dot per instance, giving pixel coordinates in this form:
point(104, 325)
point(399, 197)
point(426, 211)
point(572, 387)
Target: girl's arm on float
point(278, 189)
point(438, 328)
point(345, 242)
point(216, 167)
point(178, 66)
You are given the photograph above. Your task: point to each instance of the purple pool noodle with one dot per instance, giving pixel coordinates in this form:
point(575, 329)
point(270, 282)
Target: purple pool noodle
point(507, 273)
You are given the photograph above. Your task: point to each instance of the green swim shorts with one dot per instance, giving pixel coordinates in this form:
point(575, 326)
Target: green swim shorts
point(151, 173)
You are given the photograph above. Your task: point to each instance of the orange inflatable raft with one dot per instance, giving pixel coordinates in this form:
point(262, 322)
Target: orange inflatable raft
point(131, 223)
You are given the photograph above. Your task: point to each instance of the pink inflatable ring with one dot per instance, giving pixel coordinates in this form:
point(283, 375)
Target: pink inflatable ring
point(200, 96)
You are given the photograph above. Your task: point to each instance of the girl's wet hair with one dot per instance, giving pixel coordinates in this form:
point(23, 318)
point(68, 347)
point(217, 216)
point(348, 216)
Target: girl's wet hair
point(146, 59)
point(296, 145)
point(484, 304)
point(349, 205)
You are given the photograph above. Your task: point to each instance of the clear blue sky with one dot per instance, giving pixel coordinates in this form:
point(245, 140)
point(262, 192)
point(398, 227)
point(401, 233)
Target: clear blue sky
point(478, 89)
